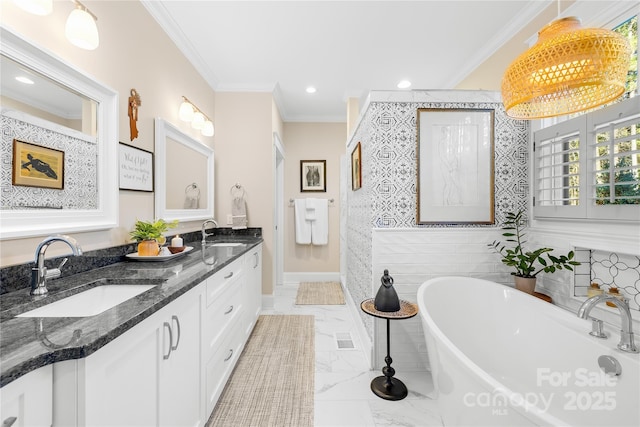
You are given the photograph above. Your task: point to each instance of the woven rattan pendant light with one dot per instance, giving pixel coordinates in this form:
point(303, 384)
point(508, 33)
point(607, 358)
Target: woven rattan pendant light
point(569, 69)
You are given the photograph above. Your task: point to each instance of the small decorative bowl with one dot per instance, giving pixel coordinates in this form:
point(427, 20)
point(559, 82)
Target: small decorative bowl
point(176, 249)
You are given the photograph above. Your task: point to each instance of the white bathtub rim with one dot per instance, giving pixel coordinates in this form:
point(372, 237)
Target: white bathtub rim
point(527, 409)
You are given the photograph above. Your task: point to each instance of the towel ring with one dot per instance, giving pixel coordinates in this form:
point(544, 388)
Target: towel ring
point(237, 191)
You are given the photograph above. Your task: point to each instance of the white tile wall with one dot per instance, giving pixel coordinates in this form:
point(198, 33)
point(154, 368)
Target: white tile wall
point(413, 256)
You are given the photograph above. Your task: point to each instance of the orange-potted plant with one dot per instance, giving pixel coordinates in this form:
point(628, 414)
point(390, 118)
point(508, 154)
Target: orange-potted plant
point(149, 235)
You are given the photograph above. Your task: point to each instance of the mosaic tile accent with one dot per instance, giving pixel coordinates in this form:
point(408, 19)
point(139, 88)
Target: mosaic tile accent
point(388, 136)
point(80, 190)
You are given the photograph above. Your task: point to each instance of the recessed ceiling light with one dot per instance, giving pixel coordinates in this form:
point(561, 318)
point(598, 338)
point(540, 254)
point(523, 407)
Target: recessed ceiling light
point(311, 89)
point(25, 80)
point(404, 84)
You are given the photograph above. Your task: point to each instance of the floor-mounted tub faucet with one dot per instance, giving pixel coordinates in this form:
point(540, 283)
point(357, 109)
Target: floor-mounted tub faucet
point(40, 273)
point(204, 231)
point(626, 334)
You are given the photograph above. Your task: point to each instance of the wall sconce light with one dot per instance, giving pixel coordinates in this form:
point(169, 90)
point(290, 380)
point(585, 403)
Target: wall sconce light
point(81, 29)
point(190, 113)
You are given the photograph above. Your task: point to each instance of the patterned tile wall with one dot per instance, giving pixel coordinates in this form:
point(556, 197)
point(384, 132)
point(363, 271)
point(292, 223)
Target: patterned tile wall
point(387, 133)
point(80, 166)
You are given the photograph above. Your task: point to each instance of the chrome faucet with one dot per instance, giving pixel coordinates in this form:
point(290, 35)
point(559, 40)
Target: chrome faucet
point(40, 273)
point(204, 231)
point(626, 334)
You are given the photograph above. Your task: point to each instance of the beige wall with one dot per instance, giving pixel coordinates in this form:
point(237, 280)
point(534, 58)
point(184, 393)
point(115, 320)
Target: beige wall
point(243, 149)
point(145, 59)
point(313, 141)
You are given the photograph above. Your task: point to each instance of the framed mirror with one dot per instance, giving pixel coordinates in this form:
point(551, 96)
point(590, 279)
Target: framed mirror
point(183, 175)
point(62, 111)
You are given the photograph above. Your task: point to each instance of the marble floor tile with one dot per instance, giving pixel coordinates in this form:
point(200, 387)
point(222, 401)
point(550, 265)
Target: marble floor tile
point(343, 396)
point(349, 413)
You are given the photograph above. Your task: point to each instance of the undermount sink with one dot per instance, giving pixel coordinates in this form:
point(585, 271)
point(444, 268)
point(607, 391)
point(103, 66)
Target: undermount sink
point(90, 302)
point(226, 244)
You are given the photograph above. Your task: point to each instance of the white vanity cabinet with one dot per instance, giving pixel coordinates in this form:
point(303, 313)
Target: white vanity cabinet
point(168, 370)
point(27, 401)
point(222, 329)
point(148, 376)
point(253, 287)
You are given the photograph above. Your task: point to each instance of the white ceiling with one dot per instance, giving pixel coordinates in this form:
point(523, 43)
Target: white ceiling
point(343, 48)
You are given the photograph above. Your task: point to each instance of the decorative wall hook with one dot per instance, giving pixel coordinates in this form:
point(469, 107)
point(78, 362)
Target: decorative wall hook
point(134, 103)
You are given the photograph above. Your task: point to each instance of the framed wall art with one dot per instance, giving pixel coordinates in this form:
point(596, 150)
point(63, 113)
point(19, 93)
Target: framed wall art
point(455, 166)
point(313, 175)
point(37, 166)
point(356, 168)
point(135, 168)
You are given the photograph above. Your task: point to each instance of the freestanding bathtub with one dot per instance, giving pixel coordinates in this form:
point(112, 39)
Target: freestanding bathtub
point(500, 357)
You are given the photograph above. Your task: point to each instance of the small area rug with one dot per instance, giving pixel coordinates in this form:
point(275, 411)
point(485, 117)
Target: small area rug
point(320, 293)
point(273, 381)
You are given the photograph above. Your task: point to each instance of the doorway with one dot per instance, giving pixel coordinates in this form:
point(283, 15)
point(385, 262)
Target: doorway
point(278, 214)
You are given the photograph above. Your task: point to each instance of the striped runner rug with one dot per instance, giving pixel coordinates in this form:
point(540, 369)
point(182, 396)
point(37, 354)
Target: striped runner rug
point(273, 381)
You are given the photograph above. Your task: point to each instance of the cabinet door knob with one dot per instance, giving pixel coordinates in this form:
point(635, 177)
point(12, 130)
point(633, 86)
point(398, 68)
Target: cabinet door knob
point(229, 356)
point(168, 326)
point(8, 422)
point(228, 275)
point(229, 310)
point(174, 317)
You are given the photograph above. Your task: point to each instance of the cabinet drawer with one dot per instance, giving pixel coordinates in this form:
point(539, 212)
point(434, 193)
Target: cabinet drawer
point(221, 314)
point(220, 365)
point(217, 283)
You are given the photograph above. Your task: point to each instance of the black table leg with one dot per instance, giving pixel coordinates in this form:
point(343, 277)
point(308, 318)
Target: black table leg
point(388, 387)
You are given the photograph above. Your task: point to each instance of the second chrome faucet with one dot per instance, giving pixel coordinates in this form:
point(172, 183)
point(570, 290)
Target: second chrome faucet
point(204, 229)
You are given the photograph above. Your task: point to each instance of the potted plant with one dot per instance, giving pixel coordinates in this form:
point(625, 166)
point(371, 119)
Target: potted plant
point(527, 264)
point(150, 235)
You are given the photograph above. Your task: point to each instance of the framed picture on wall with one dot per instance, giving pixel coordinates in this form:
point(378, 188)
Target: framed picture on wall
point(37, 166)
point(455, 166)
point(313, 177)
point(356, 168)
point(135, 168)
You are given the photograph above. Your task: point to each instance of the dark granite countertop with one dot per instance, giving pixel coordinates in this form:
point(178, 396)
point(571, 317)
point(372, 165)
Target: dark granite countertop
point(27, 344)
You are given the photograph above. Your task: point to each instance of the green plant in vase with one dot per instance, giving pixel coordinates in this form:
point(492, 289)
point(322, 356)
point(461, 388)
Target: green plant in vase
point(527, 264)
point(150, 235)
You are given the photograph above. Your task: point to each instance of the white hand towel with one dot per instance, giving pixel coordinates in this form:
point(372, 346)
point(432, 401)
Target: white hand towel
point(239, 213)
point(303, 227)
point(320, 227)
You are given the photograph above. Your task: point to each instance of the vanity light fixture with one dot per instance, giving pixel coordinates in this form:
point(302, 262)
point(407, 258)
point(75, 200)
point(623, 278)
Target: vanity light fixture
point(188, 112)
point(37, 7)
point(404, 84)
point(568, 69)
point(311, 89)
point(81, 29)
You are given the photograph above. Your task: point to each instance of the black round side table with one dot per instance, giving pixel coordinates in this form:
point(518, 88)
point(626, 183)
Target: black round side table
point(387, 386)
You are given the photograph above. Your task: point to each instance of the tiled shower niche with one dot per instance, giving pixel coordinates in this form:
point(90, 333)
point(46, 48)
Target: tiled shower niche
point(609, 269)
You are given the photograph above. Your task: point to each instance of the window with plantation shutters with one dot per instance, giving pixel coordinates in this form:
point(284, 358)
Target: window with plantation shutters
point(589, 166)
point(616, 171)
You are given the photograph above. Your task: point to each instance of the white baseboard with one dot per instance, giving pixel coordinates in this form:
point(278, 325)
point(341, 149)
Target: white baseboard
point(354, 309)
point(268, 302)
point(297, 277)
